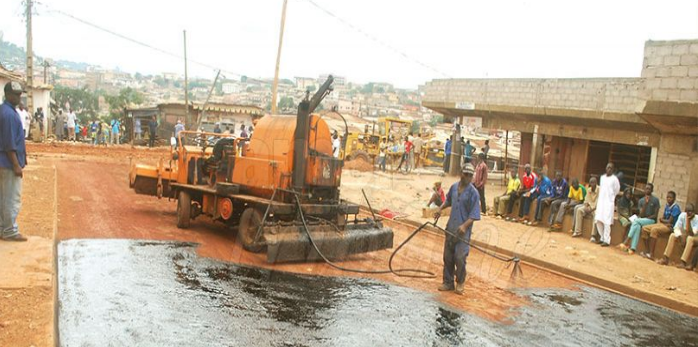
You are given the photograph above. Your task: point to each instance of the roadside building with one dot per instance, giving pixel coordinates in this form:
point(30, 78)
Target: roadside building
point(648, 126)
point(231, 115)
point(41, 94)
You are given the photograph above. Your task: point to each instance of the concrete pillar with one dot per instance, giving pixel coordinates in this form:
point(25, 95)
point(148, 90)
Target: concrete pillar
point(456, 152)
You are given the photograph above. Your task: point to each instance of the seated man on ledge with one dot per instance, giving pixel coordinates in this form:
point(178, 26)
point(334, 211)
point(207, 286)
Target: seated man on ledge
point(666, 224)
point(576, 195)
point(585, 209)
point(686, 231)
point(501, 202)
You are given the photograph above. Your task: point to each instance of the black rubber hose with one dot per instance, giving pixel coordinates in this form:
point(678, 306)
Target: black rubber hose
point(416, 273)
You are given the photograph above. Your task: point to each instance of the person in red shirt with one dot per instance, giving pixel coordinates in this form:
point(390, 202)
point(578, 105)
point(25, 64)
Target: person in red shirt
point(480, 181)
point(528, 181)
point(406, 155)
point(437, 196)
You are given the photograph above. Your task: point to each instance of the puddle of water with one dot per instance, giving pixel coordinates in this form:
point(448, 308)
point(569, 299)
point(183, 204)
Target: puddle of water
point(124, 293)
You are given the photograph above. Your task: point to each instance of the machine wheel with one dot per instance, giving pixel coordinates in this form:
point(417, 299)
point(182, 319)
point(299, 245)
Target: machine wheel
point(247, 230)
point(183, 210)
point(361, 155)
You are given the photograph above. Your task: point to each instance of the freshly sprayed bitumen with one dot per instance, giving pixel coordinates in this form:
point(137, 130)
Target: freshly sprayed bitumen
point(138, 293)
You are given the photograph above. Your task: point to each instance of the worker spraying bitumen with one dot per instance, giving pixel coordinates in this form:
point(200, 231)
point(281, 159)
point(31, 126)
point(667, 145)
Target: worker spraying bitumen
point(464, 201)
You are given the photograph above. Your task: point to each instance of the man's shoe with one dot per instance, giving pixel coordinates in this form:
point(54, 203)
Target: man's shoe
point(662, 261)
point(623, 247)
point(576, 234)
point(445, 288)
point(604, 244)
point(459, 288)
point(16, 238)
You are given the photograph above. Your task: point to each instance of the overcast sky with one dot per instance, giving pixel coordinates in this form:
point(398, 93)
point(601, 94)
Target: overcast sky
point(421, 40)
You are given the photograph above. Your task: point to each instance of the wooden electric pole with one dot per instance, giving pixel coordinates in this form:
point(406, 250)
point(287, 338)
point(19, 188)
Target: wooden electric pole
point(186, 85)
point(30, 61)
point(275, 86)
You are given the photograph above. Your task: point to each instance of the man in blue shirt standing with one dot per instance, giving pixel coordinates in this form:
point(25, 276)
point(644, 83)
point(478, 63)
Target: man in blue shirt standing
point(447, 155)
point(13, 159)
point(464, 201)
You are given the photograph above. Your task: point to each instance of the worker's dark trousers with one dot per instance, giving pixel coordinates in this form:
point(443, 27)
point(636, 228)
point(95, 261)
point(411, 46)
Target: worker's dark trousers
point(455, 254)
point(447, 163)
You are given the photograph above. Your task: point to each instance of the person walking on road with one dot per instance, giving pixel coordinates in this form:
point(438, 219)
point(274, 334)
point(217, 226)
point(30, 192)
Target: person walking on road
point(418, 143)
point(13, 159)
point(152, 130)
point(609, 186)
point(464, 201)
point(70, 121)
point(115, 132)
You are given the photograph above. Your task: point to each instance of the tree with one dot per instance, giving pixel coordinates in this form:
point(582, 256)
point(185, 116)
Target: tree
point(286, 103)
point(127, 97)
point(367, 88)
point(312, 88)
point(84, 102)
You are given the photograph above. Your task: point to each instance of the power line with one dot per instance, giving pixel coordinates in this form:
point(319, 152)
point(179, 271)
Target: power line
point(141, 43)
point(375, 39)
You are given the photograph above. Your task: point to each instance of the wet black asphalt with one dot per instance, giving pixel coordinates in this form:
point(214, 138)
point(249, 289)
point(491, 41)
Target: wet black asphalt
point(143, 293)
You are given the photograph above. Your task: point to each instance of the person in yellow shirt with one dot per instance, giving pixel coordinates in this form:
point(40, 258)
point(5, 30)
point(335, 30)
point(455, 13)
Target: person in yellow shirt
point(500, 202)
point(574, 198)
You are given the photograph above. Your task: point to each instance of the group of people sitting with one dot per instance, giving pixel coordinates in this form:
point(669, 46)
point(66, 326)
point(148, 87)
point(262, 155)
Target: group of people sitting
point(641, 217)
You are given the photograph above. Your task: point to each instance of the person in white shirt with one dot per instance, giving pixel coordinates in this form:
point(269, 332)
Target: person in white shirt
point(686, 231)
point(335, 144)
point(609, 187)
point(24, 118)
point(383, 147)
point(70, 121)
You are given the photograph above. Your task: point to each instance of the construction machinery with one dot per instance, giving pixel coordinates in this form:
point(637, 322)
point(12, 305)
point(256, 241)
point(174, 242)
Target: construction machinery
point(279, 188)
point(366, 146)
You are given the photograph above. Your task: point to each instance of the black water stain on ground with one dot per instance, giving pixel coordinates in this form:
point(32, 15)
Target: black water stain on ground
point(135, 293)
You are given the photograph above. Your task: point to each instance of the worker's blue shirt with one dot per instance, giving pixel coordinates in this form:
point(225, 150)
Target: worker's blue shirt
point(11, 136)
point(447, 149)
point(464, 206)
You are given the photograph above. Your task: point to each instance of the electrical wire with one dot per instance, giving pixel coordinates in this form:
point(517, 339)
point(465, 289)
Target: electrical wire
point(141, 43)
point(376, 40)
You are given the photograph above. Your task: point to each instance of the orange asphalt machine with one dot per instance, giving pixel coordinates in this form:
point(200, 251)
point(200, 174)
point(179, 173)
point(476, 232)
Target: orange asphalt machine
point(281, 190)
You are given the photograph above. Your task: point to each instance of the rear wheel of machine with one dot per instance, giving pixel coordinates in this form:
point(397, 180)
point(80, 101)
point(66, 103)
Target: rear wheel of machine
point(249, 223)
point(183, 210)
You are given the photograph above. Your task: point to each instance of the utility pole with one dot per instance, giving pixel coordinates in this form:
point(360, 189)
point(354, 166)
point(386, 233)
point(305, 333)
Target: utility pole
point(186, 85)
point(30, 60)
point(203, 109)
point(46, 66)
point(275, 86)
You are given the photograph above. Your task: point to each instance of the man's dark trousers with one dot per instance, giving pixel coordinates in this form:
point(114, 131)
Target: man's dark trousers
point(455, 254)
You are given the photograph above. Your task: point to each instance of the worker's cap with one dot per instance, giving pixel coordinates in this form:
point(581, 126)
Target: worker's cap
point(14, 88)
point(527, 166)
point(468, 169)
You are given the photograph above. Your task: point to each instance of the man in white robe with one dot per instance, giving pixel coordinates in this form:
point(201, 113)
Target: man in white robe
point(609, 187)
